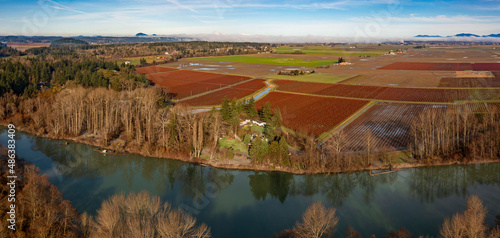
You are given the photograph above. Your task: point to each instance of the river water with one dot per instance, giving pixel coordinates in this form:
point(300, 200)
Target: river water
point(259, 204)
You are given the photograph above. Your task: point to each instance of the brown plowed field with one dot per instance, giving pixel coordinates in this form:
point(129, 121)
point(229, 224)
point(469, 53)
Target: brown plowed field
point(184, 83)
point(389, 93)
point(310, 114)
point(471, 82)
point(153, 69)
point(237, 91)
point(442, 66)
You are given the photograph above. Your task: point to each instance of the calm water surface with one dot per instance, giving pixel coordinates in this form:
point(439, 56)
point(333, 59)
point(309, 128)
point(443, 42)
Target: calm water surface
point(259, 204)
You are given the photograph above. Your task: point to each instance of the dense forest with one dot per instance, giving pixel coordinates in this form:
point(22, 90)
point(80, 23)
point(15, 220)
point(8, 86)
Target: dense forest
point(177, 49)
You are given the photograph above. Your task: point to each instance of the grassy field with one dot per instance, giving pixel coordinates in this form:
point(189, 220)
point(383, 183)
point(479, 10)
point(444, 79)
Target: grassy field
point(326, 50)
point(316, 77)
point(269, 60)
point(232, 143)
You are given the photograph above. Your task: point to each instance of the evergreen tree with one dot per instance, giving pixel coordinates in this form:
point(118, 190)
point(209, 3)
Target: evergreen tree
point(274, 152)
point(249, 108)
point(266, 113)
point(225, 110)
point(284, 152)
point(277, 117)
point(258, 150)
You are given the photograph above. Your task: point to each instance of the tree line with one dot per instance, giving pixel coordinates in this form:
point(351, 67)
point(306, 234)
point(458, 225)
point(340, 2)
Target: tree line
point(181, 49)
point(28, 76)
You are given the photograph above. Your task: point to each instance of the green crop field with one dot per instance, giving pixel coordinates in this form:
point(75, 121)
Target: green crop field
point(316, 77)
point(270, 60)
point(325, 50)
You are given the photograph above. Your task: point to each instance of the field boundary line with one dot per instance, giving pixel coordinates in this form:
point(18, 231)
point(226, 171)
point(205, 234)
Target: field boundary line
point(326, 135)
point(391, 101)
point(201, 71)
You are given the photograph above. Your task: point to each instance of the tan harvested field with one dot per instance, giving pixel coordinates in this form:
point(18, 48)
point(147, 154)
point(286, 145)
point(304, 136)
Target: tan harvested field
point(246, 69)
point(474, 74)
point(23, 47)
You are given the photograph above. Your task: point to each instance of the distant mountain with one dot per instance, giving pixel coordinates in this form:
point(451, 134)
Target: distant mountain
point(141, 34)
point(428, 36)
point(459, 35)
point(97, 39)
point(467, 35)
point(492, 35)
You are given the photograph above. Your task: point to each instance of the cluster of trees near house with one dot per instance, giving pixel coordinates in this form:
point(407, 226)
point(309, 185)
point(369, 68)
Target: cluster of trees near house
point(294, 72)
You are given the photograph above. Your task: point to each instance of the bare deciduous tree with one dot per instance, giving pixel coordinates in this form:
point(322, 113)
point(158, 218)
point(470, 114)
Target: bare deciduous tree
point(317, 221)
point(469, 224)
point(141, 215)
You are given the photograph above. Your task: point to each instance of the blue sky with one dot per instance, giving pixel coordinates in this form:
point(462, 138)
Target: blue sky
point(343, 18)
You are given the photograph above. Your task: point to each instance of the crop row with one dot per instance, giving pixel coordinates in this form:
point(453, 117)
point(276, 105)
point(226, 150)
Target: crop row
point(237, 91)
point(387, 126)
point(311, 114)
point(384, 126)
point(471, 82)
point(184, 83)
point(389, 93)
point(442, 66)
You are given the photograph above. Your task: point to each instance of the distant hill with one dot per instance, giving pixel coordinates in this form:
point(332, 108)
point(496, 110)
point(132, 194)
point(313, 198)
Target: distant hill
point(71, 42)
point(459, 35)
point(141, 34)
point(492, 35)
point(467, 35)
point(96, 39)
point(428, 36)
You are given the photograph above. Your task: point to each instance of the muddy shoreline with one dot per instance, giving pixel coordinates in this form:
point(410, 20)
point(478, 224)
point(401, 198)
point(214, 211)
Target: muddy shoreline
point(234, 164)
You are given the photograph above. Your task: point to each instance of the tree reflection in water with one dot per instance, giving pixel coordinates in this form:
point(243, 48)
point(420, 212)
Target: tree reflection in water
point(428, 184)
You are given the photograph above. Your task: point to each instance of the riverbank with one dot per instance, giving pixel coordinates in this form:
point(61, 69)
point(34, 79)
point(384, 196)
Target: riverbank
point(239, 162)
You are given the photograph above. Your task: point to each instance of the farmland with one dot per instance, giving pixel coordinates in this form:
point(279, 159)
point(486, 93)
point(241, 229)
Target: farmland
point(388, 125)
point(272, 60)
point(184, 83)
point(442, 66)
point(400, 86)
point(311, 114)
point(336, 51)
point(153, 69)
point(389, 93)
point(25, 46)
point(238, 91)
point(315, 77)
point(468, 82)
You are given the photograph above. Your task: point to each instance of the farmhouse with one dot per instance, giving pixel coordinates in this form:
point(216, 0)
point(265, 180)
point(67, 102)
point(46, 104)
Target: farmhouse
point(252, 122)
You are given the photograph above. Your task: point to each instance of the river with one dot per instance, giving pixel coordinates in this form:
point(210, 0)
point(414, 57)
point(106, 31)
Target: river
point(259, 204)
